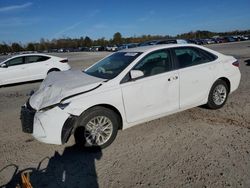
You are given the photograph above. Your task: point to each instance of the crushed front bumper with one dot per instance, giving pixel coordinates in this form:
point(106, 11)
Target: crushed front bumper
point(52, 126)
point(27, 118)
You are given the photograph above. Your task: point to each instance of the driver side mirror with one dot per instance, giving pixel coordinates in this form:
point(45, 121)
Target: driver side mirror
point(4, 65)
point(136, 74)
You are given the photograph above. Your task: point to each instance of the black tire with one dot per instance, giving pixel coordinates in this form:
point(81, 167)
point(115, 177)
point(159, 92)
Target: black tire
point(89, 115)
point(53, 70)
point(211, 101)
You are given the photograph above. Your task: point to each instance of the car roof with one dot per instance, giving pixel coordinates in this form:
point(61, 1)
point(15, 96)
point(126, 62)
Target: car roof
point(156, 47)
point(30, 54)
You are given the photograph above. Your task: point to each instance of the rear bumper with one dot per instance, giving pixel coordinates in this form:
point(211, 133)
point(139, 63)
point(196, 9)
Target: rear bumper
point(235, 81)
point(65, 67)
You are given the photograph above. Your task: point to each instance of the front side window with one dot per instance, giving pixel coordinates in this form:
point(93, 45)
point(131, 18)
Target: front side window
point(111, 66)
point(190, 56)
point(155, 63)
point(15, 61)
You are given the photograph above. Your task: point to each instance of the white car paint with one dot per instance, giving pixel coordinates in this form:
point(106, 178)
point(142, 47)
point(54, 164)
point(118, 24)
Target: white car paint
point(29, 71)
point(141, 101)
point(137, 101)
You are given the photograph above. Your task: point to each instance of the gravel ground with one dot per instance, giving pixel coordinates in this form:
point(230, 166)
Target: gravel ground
point(194, 148)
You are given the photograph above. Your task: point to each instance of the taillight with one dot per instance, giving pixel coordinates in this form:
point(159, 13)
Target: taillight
point(64, 61)
point(236, 64)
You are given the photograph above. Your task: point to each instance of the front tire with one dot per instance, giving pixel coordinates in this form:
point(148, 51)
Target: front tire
point(218, 95)
point(97, 127)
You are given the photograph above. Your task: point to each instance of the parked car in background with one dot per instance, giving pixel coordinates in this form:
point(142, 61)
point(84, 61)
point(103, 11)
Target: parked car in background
point(230, 39)
point(192, 41)
point(147, 43)
point(244, 37)
point(218, 39)
point(28, 67)
point(83, 49)
point(164, 41)
point(127, 88)
point(172, 41)
point(127, 46)
point(97, 48)
point(209, 41)
point(112, 48)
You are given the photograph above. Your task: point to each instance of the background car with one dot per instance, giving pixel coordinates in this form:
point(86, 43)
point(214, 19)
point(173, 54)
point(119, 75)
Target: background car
point(172, 41)
point(127, 46)
point(112, 48)
point(29, 67)
point(147, 43)
point(164, 41)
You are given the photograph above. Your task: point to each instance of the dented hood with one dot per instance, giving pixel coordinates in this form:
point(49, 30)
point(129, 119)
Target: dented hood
point(60, 85)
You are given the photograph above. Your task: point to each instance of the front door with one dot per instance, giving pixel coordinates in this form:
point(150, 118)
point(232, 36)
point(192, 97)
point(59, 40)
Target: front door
point(157, 92)
point(16, 71)
point(36, 66)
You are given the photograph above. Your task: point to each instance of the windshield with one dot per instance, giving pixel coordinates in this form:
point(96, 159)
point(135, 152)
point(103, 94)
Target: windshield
point(112, 65)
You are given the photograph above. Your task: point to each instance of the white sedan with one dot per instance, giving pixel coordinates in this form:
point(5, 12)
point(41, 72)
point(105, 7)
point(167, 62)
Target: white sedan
point(127, 88)
point(28, 67)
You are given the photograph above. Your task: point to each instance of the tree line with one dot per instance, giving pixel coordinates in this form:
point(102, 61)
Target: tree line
point(47, 45)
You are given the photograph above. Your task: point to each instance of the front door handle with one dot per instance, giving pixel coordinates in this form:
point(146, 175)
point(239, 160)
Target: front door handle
point(173, 78)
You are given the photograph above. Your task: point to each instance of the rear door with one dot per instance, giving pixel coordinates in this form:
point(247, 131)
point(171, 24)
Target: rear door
point(37, 66)
point(197, 71)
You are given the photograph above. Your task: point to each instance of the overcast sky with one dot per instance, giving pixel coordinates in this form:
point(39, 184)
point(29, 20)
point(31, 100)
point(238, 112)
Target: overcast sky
point(28, 21)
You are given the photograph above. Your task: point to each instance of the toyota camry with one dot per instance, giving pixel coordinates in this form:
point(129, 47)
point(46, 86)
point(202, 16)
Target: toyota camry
point(127, 88)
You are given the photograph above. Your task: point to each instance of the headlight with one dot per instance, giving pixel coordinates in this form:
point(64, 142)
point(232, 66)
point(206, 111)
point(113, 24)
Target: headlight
point(63, 105)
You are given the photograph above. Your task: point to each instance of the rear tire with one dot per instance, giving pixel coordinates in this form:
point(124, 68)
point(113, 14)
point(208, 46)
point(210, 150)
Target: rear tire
point(97, 127)
point(218, 95)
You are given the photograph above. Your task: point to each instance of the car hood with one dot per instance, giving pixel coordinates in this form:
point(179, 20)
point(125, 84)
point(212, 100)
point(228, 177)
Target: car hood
point(60, 85)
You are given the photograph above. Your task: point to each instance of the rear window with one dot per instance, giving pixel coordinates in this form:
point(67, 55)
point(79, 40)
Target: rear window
point(209, 55)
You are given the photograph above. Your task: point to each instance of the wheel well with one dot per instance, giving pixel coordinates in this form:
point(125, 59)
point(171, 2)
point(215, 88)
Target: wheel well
point(53, 69)
point(114, 110)
point(227, 82)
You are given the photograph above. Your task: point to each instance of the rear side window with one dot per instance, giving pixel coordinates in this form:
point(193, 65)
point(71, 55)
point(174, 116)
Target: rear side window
point(33, 59)
point(192, 56)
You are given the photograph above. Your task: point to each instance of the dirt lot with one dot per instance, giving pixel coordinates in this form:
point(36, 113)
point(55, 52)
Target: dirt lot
point(194, 148)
